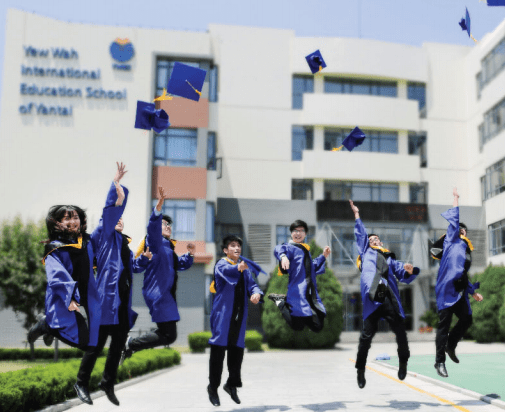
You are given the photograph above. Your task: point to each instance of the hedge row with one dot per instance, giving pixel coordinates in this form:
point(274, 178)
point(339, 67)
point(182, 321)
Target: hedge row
point(198, 341)
point(34, 388)
point(43, 353)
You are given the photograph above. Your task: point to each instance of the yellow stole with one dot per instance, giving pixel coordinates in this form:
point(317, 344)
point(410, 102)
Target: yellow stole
point(305, 245)
point(77, 245)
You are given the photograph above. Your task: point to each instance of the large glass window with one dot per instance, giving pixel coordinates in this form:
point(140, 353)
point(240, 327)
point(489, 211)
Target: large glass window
point(175, 147)
point(417, 91)
point(492, 64)
point(376, 141)
point(418, 193)
point(301, 84)
point(494, 122)
point(493, 183)
point(302, 189)
point(497, 238)
point(347, 254)
point(302, 139)
point(361, 191)
point(356, 86)
point(211, 151)
point(417, 146)
point(183, 214)
point(164, 69)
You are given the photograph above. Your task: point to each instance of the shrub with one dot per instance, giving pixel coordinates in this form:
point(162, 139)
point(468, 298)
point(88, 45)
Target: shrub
point(253, 340)
point(34, 388)
point(430, 317)
point(42, 353)
point(198, 341)
point(280, 335)
point(486, 326)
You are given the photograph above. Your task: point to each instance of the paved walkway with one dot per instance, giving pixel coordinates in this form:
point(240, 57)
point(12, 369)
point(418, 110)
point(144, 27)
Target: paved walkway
point(300, 381)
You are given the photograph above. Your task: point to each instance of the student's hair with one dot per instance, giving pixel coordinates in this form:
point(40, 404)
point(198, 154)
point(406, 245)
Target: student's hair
point(228, 239)
point(167, 218)
point(56, 214)
point(373, 234)
point(298, 223)
point(463, 226)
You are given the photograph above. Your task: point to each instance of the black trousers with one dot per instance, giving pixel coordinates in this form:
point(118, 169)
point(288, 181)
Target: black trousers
point(118, 334)
point(370, 325)
point(314, 323)
point(451, 339)
point(166, 334)
point(234, 360)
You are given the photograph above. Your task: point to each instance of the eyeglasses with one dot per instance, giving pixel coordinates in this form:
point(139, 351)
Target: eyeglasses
point(298, 231)
point(166, 224)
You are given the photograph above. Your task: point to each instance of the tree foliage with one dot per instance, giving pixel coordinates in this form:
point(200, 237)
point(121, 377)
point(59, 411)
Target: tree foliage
point(280, 335)
point(22, 274)
point(486, 326)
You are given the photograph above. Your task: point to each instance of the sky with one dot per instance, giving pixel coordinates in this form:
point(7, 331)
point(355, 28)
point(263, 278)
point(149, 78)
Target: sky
point(410, 22)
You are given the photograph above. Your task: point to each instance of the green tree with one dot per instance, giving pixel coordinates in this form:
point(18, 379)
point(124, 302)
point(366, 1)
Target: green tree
point(486, 326)
point(280, 335)
point(22, 274)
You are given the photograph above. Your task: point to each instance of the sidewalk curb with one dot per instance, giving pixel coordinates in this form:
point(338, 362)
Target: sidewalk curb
point(98, 394)
point(454, 388)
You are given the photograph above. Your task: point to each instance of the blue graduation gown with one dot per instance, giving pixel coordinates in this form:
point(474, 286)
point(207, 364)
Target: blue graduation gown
point(227, 277)
point(369, 269)
point(296, 296)
point(107, 243)
point(160, 277)
point(62, 288)
point(452, 265)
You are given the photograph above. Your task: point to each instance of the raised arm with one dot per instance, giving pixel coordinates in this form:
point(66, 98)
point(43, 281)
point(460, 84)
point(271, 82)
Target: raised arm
point(185, 261)
point(154, 237)
point(319, 262)
point(359, 231)
point(452, 216)
point(455, 201)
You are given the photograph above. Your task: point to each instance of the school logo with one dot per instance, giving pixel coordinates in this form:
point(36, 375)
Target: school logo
point(121, 50)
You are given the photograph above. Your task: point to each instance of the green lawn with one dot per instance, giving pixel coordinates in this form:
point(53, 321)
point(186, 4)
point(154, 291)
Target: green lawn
point(479, 372)
point(7, 366)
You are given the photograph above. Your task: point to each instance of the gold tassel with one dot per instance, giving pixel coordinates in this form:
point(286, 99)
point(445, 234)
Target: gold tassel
point(279, 273)
point(336, 149)
point(473, 38)
point(140, 248)
point(212, 287)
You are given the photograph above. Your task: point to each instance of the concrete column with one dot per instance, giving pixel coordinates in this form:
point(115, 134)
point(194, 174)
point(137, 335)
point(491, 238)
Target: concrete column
point(318, 189)
point(318, 84)
point(403, 142)
point(318, 138)
point(404, 193)
point(402, 89)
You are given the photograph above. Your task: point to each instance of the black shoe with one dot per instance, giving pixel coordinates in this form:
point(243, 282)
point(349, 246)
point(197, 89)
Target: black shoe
point(83, 393)
point(452, 354)
point(232, 391)
point(213, 396)
point(37, 330)
point(276, 298)
point(109, 391)
point(126, 352)
point(48, 339)
point(440, 367)
point(402, 371)
point(361, 378)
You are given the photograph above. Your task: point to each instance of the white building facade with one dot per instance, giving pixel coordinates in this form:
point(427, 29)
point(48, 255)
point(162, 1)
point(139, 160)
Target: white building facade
point(254, 153)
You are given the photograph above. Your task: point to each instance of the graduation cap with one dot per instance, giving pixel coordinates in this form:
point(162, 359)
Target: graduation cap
point(465, 25)
point(495, 2)
point(148, 117)
point(186, 81)
point(315, 61)
point(253, 266)
point(355, 138)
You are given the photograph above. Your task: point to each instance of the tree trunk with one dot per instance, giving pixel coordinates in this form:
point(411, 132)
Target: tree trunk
point(56, 354)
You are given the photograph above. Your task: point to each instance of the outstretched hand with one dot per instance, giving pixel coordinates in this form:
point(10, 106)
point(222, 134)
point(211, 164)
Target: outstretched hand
point(477, 296)
point(121, 171)
point(355, 209)
point(255, 298)
point(242, 266)
point(161, 199)
point(409, 268)
point(191, 248)
point(326, 251)
point(285, 263)
point(147, 253)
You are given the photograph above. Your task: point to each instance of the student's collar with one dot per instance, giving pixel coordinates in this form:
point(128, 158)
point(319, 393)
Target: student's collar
point(467, 241)
point(382, 249)
point(305, 245)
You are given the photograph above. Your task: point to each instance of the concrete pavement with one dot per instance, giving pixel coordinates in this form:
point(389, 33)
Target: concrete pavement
point(299, 381)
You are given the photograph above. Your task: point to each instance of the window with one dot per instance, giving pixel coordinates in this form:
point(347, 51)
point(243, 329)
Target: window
point(302, 189)
point(361, 191)
point(301, 84)
point(376, 141)
point(494, 122)
point(211, 151)
point(302, 139)
point(497, 238)
point(493, 183)
point(481, 137)
point(354, 86)
point(417, 146)
point(209, 223)
point(418, 193)
point(183, 214)
point(175, 147)
point(164, 69)
point(283, 235)
point(491, 65)
point(346, 255)
point(417, 91)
